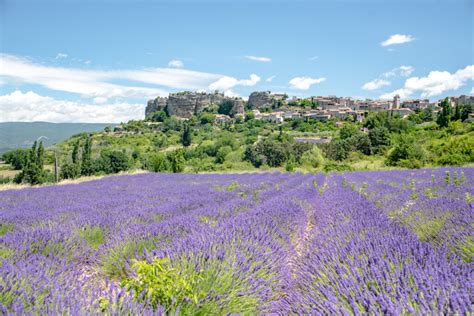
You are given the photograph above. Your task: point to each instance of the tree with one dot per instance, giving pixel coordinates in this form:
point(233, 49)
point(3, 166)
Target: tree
point(75, 152)
point(379, 138)
point(17, 158)
point(87, 165)
point(445, 115)
point(176, 159)
point(32, 171)
point(348, 130)
point(186, 137)
point(159, 116)
point(225, 107)
point(406, 153)
point(222, 153)
point(114, 161)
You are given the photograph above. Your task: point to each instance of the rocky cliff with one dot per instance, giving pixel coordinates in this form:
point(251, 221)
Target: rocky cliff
point(260, 99)
point(155, 105)
point(187, 104)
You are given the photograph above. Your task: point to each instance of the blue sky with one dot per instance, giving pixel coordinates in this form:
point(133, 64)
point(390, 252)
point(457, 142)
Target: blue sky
point(99, 61)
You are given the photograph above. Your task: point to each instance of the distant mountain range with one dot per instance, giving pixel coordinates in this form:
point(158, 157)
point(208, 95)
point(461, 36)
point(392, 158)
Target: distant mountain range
point(22, 134)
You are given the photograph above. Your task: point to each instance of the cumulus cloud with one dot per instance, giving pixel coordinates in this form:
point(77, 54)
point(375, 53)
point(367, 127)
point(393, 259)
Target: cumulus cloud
point(436, 83)
point(260, 59)
point(269, 79)
point(61, 56)
point(396, 39)
point(375, 84)
point(26, 107)
point(304, 83)
point(226, 82)
point(176, 63)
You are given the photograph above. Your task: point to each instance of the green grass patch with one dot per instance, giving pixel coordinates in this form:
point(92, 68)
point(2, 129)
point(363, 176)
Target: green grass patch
point(5, 228)
point(94, 235)
point(116, 261)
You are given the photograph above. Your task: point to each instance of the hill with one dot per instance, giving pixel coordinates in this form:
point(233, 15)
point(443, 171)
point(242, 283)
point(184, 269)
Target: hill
point(22, 134)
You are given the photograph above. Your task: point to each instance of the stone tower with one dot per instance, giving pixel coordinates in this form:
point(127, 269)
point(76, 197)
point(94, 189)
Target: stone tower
point(396, 102)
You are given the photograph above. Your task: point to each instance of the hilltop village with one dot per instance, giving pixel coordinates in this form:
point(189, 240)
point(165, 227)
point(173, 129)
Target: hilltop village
point(277, 107)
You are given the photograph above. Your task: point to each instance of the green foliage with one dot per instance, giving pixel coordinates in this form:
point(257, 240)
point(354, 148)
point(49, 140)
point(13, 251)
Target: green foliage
point(348, 130)
point(225, 107)
point(70, 171)
point(335, 166)
point(32, 171)
point(290, 164)
point(17, 158)
point(337, 149)
point(186, 137)
point(159, 116)
point(114, 161)
point(160, 163)
point(211, 289)
point(206, 118)
point(94, 235)
point(379, 138)
point(162, 284)
point(406, 153)
point(222, 153)
point(116, 261)
point(176, 159)
point(5, 228)
point(87, 167)
point(313, 158)
point(445, 115)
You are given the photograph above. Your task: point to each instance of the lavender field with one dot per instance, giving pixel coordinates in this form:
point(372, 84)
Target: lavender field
point(385, 242)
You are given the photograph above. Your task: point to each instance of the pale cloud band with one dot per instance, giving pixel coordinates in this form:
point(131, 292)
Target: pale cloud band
point(96, 83)
point(260, 59)
point(304, 83)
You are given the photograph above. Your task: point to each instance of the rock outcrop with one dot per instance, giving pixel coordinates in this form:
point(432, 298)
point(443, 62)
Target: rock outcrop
point(187, 104)
point(155, 105)
point(260, 99)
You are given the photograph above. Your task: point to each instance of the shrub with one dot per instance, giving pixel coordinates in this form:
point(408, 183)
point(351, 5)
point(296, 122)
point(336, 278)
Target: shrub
point(222, 153)
point(313, 158)
point(70, 171)
point(406, 153)
point(114, 161)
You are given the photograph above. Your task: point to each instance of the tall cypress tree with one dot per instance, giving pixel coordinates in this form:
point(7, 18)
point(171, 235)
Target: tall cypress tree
point(186, 138)
point(75, 153)
point(86, 166)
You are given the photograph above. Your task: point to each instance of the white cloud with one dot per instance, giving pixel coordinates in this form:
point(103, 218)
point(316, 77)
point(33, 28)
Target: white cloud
point(94, 83)
point(313, 58)
point(226, 82)
point(176, 63)
point(406, 71)
point(304, 83)
point(436, 83)
point(397, 39)
point(61, 56)
point(472, 91)
point(375, 84)
point(269, 79)
point(29, 106)
point(402, 71)
point(260, 59)
point(100, 100)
